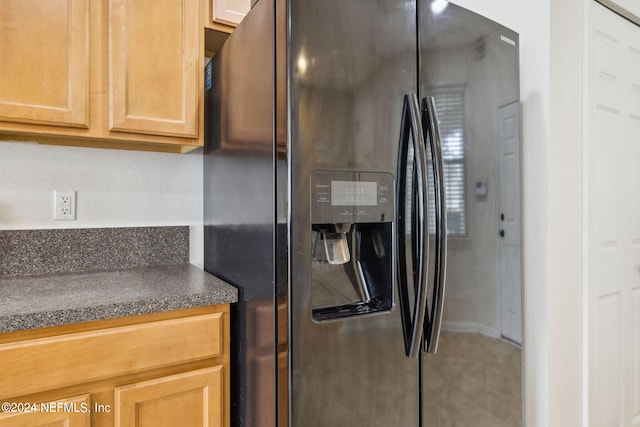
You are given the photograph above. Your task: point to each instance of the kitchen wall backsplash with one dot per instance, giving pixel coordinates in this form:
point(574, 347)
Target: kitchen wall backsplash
point(26, 252)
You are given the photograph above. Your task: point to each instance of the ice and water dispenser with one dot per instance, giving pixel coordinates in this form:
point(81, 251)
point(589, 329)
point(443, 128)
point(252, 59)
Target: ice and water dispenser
point(352, 215)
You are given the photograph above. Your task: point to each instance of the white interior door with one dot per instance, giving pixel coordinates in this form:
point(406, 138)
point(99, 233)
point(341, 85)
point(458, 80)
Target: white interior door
point(613, 219)
point(509, 256)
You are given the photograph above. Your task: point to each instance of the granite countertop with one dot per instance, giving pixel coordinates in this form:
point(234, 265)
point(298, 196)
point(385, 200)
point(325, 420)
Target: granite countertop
point(39, 301)
point(54, 277)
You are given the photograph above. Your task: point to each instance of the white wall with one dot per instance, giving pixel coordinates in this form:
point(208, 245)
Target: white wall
point(565, 195)
point(114, 188)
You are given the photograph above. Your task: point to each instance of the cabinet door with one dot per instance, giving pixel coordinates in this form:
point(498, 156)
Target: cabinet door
point(44, 71)
point(71, 412)
point(230, 11)
point(190, 399)
point(153, 66)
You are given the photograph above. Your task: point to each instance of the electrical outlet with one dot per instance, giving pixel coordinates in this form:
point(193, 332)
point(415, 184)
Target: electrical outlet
point(64, 205)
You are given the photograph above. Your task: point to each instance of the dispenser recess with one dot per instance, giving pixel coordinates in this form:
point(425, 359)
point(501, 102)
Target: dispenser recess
point(352, 226)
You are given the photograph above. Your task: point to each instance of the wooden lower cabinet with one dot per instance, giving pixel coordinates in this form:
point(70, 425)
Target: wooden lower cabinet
point(166, 369)
point(71, 412)
point(190, 399)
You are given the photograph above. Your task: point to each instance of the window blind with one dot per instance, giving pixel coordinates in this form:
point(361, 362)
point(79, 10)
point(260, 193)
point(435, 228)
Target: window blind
point(450, 108)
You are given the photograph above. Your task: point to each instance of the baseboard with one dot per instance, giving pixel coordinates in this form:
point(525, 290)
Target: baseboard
point(471, 328)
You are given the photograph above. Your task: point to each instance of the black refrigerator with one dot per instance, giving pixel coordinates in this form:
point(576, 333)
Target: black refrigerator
point(362, 191)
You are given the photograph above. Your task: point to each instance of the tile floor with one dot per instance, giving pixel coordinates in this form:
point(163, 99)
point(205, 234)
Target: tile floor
point(473, 381)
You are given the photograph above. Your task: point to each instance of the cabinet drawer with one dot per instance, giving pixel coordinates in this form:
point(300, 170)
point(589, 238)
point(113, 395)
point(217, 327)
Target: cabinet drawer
point(64, 360)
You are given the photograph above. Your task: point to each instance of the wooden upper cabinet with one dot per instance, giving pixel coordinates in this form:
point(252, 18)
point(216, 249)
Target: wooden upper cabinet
point(225, 15)
point(154, 50)
point(123, 74)
point(44, 62)
point(230, 11)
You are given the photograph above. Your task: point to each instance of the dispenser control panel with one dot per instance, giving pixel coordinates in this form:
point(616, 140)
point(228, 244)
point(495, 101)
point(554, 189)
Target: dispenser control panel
point(352, 197)
point(354, 193)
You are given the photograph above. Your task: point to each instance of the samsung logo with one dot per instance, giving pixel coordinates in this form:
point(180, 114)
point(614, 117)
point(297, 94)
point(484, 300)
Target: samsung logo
point(507, 40)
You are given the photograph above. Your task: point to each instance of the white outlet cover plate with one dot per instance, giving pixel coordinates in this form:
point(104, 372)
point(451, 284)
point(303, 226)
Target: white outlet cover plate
point(64, 205)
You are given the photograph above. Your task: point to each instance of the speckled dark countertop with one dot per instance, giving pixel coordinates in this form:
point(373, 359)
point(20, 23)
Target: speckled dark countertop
point(30, 302)
point(63, 276)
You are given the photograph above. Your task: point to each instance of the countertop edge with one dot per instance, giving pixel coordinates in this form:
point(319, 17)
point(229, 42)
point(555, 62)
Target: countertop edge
point(208, 290)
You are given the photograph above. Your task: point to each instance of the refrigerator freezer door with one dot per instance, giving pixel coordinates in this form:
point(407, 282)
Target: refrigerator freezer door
point(351, 63)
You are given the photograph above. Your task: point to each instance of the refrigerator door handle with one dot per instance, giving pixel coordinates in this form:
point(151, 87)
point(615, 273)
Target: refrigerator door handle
point(430, 120)
point(411, 239)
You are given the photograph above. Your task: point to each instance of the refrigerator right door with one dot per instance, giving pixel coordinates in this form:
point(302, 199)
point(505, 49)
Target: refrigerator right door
point(468, 73)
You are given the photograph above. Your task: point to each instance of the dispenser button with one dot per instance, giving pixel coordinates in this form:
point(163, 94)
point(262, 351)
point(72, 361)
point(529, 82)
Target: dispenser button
point(322, 197)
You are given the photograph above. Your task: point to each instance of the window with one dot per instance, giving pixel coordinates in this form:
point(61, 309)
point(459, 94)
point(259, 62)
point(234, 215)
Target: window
point(449, 102)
